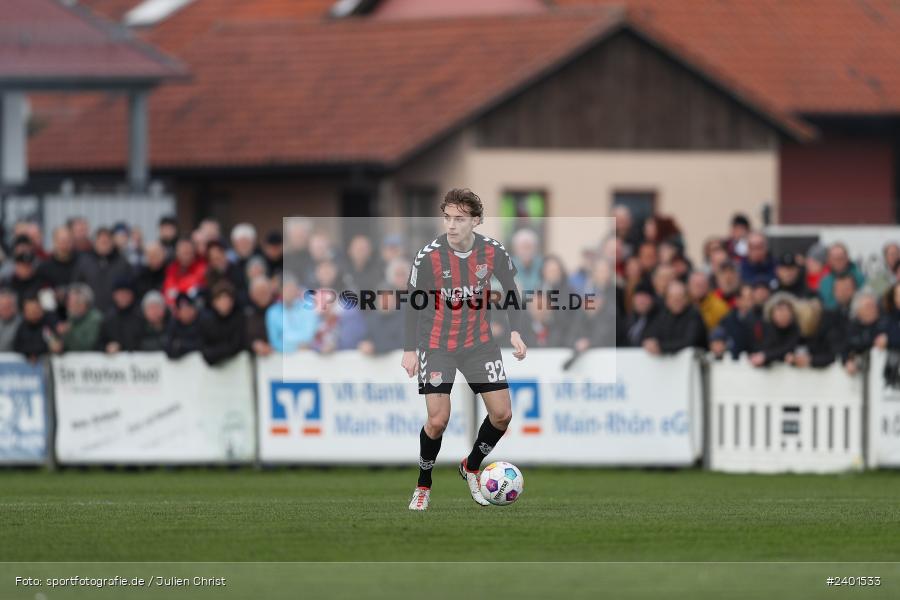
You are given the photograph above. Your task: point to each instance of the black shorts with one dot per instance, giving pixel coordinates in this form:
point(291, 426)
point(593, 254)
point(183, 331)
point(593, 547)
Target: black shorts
point(482, 366)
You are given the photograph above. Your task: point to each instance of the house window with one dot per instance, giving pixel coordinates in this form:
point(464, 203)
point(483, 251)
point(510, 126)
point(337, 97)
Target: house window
point(641, 203)
point(421, 210)
point(521, 209)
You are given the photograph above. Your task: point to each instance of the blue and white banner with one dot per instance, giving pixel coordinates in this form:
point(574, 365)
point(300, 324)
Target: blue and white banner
point(349, 408)
point(24, 427)
point(612, 407)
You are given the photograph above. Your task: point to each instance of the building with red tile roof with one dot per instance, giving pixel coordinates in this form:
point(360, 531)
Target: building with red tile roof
point(290, 104)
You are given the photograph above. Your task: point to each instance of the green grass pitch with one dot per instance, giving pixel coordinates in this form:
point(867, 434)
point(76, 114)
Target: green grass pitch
point(348, 515)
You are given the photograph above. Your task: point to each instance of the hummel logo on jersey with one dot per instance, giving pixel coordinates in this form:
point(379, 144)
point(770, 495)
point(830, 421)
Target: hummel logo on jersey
point(447, 274)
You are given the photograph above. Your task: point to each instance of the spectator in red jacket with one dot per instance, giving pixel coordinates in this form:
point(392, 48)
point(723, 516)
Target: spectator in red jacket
point(186, 274)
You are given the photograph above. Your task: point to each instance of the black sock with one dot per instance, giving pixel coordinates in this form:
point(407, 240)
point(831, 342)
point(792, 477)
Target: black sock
point(428, 451)
point(488, 436)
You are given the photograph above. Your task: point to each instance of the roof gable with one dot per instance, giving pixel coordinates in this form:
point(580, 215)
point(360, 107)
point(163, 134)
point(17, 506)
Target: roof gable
point(44, 43)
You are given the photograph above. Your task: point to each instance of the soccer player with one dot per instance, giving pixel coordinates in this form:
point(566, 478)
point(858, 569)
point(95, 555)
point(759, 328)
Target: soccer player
point(448, 328)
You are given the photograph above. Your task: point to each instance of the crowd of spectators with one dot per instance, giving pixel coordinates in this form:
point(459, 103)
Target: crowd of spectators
point(111, 292)
point(202, 292)
point(806, 310)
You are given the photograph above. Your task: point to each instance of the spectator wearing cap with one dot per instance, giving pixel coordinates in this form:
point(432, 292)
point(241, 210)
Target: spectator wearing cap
point(155, 329)
point(728, 283)
point(740, 330)
point(867, 329)
point(223, 331)
point(81, 330)
point(273, 253)
point(183, 336)
point(152, 274)
point(736, 243)
point(220, 269)
point(760, 293)
point(781, 336)
point(9, 319)
point(260, 299)
point(678, 325)
point(644, 306)
point(122, 238)
point(839, 264)
point(186, 274)
point(526, 256)
point(167, 234)
point(25, 280)
point(123, 325)
point(711, 307)
point(100, 268)
point(58, 270)
point(291, 322)
point(35, 337)
point(758, 263)
point(789, 277)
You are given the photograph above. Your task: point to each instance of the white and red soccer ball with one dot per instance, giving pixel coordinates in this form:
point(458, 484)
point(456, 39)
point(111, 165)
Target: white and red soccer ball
point(501, 483)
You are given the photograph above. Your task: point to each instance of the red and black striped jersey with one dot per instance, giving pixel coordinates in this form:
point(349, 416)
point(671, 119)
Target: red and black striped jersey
point(454, 312)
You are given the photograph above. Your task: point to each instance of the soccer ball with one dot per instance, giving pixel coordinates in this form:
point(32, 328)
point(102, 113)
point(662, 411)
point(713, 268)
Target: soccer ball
point(501, 483)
